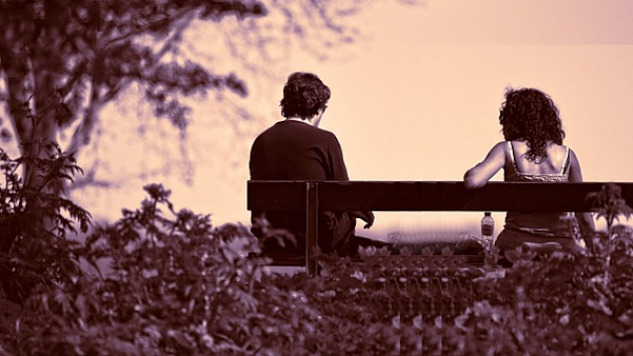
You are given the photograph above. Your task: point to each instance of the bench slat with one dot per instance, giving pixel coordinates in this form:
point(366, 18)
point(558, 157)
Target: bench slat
point(276, 195)
point(427, 196)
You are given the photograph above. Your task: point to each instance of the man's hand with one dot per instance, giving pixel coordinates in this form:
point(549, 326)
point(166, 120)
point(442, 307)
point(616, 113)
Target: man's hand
point(367, 216)
point(369, 220)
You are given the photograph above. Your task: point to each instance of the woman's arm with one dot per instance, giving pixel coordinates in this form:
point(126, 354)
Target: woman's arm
point(585, 220)
point(481, 173)
point(575, 175)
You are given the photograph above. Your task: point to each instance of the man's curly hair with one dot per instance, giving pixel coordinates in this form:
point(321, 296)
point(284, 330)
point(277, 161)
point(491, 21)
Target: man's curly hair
point(304, 95)
point(531, 115)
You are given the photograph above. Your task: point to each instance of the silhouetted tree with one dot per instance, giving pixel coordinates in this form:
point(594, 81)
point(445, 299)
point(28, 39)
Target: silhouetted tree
point(62, 61)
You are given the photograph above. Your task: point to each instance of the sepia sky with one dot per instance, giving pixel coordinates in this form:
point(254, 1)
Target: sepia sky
point(419, 97)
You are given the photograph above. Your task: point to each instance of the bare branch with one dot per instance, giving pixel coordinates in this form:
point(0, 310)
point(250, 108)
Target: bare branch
point(82, 134)
point(161, 22)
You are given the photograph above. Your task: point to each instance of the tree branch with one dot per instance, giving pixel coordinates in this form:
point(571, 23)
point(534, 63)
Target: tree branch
point(147, 28)
point(81, 136)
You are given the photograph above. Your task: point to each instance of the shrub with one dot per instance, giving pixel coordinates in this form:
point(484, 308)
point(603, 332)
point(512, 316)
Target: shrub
point(175, 284)
point(34, 222)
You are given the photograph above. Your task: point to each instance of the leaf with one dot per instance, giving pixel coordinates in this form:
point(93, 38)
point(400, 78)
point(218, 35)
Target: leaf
point(121, 347)
point(600, 306)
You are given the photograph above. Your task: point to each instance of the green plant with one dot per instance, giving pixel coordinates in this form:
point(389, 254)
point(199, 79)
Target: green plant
point(609, 205)
point(178, 285)
point(175, 285)
point(35, 222)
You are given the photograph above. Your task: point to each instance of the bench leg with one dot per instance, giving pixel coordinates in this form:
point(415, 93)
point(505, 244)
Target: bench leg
point(312, 226)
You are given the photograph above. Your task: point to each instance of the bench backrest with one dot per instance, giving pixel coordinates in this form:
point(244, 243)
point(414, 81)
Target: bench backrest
point(424, 196)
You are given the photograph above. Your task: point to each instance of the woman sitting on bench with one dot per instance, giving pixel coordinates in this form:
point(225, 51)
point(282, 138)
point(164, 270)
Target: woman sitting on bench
point(533, 152)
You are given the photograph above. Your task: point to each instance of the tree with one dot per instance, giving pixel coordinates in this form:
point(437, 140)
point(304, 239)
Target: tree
point(63, 61)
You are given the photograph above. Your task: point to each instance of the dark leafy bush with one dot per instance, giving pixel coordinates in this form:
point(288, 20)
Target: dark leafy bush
point(34, 223)
point(174, 284)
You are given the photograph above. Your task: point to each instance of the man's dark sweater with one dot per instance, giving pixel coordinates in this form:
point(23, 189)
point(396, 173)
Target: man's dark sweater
point(295, 150)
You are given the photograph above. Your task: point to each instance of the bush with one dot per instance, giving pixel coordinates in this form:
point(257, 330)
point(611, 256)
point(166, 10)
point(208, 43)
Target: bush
point(34, 222)
point(177, 285)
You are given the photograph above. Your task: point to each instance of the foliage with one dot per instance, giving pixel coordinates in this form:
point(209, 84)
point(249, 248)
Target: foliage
point(609, 205)
point(177, 285)
point(549, 304)
point(62, 61)
point(30, 252)
point(76, 56)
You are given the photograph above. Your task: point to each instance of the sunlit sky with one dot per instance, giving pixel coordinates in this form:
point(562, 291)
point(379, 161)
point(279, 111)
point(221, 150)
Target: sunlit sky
point(419, 97)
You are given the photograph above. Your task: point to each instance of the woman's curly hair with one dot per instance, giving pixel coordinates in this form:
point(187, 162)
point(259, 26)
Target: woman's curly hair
point(529, 114)
point(304, 95)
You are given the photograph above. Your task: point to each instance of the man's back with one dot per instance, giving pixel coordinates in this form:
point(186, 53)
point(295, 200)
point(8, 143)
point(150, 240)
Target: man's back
point(294, 150)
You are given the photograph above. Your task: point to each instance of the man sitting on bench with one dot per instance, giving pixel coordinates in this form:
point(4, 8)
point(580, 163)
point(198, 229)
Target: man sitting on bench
point(296, 149)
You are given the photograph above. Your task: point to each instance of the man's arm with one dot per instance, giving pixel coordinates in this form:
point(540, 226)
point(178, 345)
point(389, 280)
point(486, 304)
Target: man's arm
point(336, 165)
point(367, 216)
point(339, 172)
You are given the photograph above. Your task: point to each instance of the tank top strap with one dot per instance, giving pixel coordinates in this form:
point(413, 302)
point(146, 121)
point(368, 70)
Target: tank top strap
point(565, 162)
point(512, 160)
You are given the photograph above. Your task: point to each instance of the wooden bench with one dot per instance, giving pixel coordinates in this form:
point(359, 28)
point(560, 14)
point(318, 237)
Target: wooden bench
point(314, 196)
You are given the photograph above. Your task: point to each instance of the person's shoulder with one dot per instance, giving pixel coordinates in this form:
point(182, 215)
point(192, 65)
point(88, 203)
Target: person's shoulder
point(500, 146)
point(319, 132)
point(271, 129)
point(515, 144)
point(328, 136)
point(325, 132)
point(266, 135)
point(498, 151)
point(563, 150)
point(572, 154)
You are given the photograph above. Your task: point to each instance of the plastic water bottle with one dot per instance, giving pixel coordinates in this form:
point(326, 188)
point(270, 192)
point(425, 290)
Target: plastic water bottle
point(487, 226)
